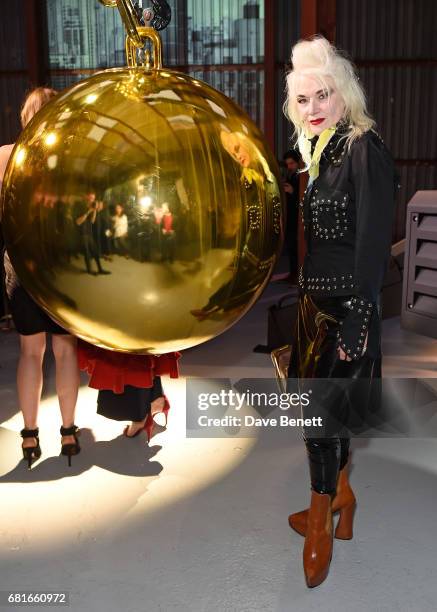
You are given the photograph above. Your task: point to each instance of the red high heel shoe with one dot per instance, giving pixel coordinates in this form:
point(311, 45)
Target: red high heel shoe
point(150, 421)
point(166, 409)
point(149, 426)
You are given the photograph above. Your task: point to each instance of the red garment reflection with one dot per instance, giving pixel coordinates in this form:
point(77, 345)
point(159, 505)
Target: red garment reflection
point(112, 370)
point(167, 223)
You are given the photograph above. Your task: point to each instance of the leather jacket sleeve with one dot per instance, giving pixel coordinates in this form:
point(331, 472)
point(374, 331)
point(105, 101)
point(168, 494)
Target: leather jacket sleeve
point(373, 177)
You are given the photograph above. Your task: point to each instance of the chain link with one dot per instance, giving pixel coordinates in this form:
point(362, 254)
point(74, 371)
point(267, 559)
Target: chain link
point(130, 19)
point(145, 33)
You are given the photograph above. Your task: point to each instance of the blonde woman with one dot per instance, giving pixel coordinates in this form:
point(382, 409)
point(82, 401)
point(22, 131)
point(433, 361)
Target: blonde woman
point(347, 212)
point(260, 189)
point(32, 324)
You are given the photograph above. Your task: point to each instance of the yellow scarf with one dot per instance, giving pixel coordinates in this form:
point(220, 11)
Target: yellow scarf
point(312, 161)
point(250, 175)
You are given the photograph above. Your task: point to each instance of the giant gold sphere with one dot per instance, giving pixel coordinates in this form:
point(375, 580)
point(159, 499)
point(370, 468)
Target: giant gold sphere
point(141, 210)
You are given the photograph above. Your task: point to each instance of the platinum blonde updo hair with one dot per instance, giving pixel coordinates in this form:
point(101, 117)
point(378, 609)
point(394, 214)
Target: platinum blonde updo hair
point(228, 140)
point(318, 59)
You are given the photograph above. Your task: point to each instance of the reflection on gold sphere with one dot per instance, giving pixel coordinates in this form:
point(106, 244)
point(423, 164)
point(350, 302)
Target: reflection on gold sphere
point(142, 210)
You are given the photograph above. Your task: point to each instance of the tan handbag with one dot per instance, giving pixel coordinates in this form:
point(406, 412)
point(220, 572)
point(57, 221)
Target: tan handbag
point(309, 332)
point(281, 359)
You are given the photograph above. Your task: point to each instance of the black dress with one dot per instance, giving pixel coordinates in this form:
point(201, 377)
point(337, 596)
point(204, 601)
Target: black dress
point(133, 404)
point(347, 214)
point(28, 317)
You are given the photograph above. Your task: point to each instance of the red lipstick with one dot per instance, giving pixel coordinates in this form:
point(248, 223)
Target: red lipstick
point(317, 121)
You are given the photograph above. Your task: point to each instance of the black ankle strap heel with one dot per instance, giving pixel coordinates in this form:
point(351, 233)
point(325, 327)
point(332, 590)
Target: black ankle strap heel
point(72, 448)
point(31, 453)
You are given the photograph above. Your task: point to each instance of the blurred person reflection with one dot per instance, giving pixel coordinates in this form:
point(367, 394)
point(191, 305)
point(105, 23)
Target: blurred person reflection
point(143, 231)
point(86, 222)
point(120, 231)
point(168, 234)
point(250, 267)
point(102, 230)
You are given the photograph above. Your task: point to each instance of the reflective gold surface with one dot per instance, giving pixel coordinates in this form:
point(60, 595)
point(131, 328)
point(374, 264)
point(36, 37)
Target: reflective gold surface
point(141, 209)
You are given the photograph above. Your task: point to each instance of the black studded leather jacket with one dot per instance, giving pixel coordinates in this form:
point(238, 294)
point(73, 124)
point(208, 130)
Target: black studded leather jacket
point(348, 215)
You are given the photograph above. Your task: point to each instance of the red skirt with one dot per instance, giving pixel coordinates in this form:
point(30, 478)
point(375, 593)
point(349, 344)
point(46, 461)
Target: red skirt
point(111, 370)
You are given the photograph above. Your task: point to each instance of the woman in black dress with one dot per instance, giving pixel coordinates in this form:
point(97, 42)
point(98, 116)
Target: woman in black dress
point(33, 324)
point(347, 212)
point(130, 387)
point(136, 404)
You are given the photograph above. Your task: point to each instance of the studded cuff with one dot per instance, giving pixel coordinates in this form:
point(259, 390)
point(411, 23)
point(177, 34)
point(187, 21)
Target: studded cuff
point(353, 330)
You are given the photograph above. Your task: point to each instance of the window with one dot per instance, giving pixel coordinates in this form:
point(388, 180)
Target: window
point(220, 42)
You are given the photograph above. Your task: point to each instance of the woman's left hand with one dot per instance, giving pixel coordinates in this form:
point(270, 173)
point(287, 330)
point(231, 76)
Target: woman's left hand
point(342, 355)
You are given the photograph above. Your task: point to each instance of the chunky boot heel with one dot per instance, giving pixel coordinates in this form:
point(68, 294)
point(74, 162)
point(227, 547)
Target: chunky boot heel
point(344, 529)
point(71, 448)
point(31, 453)
point(344, 498)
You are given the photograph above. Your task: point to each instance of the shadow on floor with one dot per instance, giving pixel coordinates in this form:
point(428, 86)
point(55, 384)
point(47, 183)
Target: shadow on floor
point(127, 457)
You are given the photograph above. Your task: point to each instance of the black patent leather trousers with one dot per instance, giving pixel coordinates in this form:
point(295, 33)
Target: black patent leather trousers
point(314, 355)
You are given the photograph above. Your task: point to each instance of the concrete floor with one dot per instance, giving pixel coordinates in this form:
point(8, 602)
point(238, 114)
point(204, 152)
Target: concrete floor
point(201, 524)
